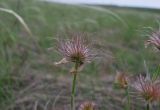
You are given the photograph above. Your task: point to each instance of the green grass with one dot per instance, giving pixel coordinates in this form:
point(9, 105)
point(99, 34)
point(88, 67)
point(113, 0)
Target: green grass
point(121, 31)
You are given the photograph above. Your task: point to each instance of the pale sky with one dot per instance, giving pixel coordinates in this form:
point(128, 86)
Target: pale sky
point(132, 3)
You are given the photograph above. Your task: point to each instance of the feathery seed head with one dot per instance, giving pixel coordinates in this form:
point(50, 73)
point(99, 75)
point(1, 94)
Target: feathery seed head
point(154, 40)
point(147, 89)
point(121, 80)
point(87, 106)
point(75, 50)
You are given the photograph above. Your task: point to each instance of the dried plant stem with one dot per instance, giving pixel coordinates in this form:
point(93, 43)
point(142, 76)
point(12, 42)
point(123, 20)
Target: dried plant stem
point(20, 19)
point(128, 99)
point(74, 87)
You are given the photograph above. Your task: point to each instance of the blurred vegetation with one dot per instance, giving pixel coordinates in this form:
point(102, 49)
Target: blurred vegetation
point(117, 31)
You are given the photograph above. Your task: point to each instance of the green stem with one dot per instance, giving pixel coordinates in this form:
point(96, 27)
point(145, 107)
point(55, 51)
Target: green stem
point(128, 99)
point(73, 87)
point(147, 106)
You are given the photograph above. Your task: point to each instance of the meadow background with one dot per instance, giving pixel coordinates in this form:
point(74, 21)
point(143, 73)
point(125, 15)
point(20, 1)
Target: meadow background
point(29, 80)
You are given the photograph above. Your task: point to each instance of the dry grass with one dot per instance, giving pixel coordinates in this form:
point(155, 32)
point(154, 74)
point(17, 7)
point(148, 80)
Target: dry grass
point(39, 91)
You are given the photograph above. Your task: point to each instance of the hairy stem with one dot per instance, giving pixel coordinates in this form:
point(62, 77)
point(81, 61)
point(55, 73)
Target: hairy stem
point(147, 106)
point(128, 99)
point(73, 87)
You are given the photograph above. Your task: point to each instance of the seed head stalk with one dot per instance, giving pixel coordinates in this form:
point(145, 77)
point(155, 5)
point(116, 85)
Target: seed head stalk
point(74, 86)
point(128, 99)
point(147, 106)
point(76, 51)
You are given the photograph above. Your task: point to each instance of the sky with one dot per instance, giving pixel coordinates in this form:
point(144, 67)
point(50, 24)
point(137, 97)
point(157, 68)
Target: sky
point(131, 3)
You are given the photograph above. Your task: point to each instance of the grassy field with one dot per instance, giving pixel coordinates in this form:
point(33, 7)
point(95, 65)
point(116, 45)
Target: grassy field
point(27, 73)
